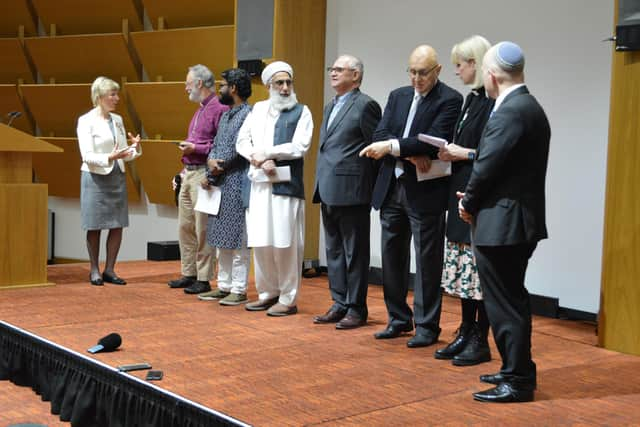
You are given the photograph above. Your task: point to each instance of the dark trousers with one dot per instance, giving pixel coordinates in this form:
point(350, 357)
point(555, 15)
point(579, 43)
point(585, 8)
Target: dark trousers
point(347, 233)
point(502, 270)
point(399, 223)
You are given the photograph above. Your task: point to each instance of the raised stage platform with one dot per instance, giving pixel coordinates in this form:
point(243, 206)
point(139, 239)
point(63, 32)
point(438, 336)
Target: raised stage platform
point(288, 371)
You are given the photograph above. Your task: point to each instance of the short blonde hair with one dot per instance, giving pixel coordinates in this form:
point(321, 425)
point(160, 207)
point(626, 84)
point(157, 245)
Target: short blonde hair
point(100, 87)
point(474, 48)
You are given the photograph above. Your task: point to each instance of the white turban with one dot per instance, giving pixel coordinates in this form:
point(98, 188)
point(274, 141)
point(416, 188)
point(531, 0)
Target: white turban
point(274, 68)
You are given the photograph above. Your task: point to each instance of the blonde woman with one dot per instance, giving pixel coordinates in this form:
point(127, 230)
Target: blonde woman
point(460, 274)
point(103, 188)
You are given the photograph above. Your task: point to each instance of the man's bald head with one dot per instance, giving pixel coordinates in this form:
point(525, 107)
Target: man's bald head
point(424, 68)
point(425, 53)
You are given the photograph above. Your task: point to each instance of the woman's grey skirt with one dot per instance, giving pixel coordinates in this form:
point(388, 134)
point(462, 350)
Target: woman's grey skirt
point(103, 200)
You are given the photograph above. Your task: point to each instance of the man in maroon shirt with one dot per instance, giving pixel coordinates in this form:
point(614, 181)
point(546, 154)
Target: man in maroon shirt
point(197, 258)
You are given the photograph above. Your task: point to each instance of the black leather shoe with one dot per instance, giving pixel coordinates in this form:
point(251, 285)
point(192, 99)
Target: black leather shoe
point(97, 281)
point(115, 280)
point(331, 316)
point(351, 321)
point(492, 378)
point(183, 282)
point(198, 287)
point(423, 340)
point(457, 345)
point(504, 393)
point(392, 331)
point(498, 378)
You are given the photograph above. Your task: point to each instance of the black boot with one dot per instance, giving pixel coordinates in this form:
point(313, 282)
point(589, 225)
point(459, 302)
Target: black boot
point(458, 344)
point(476, 351)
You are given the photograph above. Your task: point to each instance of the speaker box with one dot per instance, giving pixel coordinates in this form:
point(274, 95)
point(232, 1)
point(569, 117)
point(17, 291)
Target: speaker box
point(163, 251)
point(628, 28)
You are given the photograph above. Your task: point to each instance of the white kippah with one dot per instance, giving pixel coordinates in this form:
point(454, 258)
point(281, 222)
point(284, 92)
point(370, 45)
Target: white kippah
point(274, 68)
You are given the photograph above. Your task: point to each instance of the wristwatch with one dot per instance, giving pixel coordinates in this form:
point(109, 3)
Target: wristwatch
point(472, 155)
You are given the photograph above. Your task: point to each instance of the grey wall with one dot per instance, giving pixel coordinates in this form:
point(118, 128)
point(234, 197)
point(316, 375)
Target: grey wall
point(568, 70)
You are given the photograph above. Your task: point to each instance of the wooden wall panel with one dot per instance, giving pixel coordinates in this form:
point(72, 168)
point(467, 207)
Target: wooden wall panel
point(80, 17)
point(159, 163)
point(80, 59)
point(194, 13)
point(167, 54)
point(163, 108)
point(619, 326)
point(13, 62)
point(13, 15)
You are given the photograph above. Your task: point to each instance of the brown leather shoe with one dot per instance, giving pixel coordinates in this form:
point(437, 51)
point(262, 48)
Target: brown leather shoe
point(261, 304)
point(332, 316)
point(279, 310)
point(351, 321)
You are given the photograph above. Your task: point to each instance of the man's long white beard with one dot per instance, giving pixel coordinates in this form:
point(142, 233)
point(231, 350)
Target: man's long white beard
point(281, 103)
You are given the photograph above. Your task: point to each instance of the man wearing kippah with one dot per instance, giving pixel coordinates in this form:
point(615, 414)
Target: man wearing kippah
point(505, 204)
point(274, 138)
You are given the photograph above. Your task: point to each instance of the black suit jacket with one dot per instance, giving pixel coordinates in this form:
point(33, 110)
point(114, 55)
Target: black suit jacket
point(342, 177)
point(436, 115)
point(506, 193)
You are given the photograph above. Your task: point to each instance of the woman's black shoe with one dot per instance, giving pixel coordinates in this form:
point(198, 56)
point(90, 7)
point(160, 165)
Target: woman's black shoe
point(457, 345)
point(113, 279)
point(476, 351)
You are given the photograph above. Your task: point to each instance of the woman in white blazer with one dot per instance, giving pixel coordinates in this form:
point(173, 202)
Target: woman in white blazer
point(103, 187)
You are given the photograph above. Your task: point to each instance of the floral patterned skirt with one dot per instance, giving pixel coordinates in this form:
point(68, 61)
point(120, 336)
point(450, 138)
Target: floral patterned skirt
point(460, 273)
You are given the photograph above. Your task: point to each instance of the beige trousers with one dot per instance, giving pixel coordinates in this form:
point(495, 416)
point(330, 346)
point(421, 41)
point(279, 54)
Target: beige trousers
point(197, 257)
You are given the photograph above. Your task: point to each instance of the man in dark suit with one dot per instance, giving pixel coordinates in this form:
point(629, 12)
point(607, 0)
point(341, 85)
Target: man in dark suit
point(505, 203)
point(409, 207)
point(344, 182)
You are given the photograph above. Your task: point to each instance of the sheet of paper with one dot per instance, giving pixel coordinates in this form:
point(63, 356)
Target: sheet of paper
point(208, 200)
point(433, 140)
point(283, 174)
point(438, 169)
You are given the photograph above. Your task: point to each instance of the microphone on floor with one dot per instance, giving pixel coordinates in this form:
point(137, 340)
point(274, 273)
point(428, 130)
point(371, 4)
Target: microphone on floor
point(108, 343)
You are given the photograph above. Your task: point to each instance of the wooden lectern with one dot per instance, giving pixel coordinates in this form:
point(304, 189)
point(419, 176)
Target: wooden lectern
point(23, 212)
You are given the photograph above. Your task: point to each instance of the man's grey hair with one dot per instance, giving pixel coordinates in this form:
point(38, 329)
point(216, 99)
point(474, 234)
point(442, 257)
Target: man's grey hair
point(355, 64)
point(203, 74)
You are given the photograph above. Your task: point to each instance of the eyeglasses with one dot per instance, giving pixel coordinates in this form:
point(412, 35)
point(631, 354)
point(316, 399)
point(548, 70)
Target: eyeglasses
point(281, 83)
point(337, 69)
point(223, 85)
point(421, 73)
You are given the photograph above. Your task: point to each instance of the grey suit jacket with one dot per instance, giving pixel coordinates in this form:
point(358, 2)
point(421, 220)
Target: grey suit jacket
point(506, 191)
point(342, 177)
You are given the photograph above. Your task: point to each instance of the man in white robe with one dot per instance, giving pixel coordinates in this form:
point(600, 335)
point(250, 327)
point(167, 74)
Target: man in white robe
point(274, 138)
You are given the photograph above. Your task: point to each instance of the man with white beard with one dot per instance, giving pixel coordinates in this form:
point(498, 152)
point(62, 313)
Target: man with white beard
point(197, 259)
point(274, 138)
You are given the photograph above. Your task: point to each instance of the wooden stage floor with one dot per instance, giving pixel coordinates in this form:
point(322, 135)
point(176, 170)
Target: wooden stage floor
point(288, 371)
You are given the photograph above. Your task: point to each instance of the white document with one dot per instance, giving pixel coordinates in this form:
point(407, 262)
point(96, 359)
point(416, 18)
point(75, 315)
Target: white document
point(438, 169)
point(433, 140)
point(208, 200)
point(283, 174)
